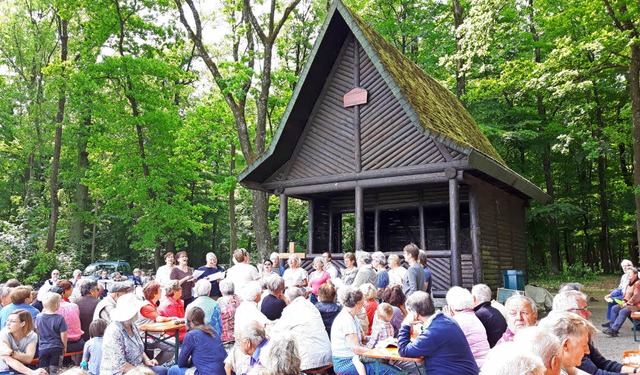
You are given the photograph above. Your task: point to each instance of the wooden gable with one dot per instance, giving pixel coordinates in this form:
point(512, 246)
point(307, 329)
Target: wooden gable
point(388, 136)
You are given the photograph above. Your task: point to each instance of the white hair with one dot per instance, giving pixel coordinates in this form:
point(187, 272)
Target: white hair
point(568, 300)
point(509, 359)
point(539, 341)
point(250, 291)
point(459, 299)
point(482, 292)
point(202, 288)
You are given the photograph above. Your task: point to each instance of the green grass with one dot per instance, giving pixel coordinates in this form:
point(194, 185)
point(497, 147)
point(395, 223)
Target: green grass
point(595, 286)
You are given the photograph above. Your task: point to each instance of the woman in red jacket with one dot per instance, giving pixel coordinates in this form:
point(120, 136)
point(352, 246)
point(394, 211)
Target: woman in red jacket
point(620, 313)
point(171, 305)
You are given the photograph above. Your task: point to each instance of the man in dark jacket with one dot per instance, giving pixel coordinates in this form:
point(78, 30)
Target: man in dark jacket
point(491, 318)
point(593, 363)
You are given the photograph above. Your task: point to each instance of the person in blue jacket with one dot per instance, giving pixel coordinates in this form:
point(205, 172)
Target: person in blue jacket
point(441, 343)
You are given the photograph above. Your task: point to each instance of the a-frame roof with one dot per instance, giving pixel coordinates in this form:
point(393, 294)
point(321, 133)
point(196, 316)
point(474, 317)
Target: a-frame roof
point(431, 107)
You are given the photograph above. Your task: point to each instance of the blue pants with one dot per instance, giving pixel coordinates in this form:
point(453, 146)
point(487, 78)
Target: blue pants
point(175, 370)
point(344, 366)
point(618, 316)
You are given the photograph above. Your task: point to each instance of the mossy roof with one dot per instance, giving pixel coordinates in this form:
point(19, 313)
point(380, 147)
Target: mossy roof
point(432, 107)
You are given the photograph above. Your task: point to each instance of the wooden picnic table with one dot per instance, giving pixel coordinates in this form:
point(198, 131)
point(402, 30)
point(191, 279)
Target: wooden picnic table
point(160, 332)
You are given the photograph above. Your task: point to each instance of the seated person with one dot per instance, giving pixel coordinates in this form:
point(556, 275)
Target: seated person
point(631, 303)
point(171, 305)
point(18, 343)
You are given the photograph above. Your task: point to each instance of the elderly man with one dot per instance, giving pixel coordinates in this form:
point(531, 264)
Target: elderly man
point(460, 308)
point(492, 319)
point(250, 339)
point(543, 343)
point(592, 363)
point(441, 343)
point(108, 304)
point(573, 332)
point(248, 310)
point(366, 273)
point(55, 276)
point(212, 272)
point(303, 322)
point(631, 303)
point(414, 279)
point(510, 359)
point(521, 313)
point(618, 293)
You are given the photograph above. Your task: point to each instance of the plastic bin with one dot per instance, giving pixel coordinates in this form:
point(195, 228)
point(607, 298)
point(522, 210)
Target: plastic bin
point(513, 279)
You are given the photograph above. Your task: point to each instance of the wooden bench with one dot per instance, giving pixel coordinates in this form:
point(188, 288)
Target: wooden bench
point(67, 354)
point(635, 316)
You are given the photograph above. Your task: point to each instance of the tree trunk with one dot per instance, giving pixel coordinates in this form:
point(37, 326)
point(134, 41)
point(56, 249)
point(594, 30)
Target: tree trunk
point(460, 75)
point(55, 164)
point(264, 241)
point(76, 230)
point(634, 90)
point(602, 190)
point(233, 231)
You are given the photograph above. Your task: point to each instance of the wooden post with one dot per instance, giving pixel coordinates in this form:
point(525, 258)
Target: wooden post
point(474, 220)
point(454, 228)
point(311, 225)
point(282, 215)
point(356, 111)
point(423, 228)
point(376, 229)
point(331, 232)
point(359, 218)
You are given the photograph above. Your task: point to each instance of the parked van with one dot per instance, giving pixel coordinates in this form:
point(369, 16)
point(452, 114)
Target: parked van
point(93, 270)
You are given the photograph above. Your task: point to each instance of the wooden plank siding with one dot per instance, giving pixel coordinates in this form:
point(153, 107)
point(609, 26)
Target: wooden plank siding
point(502, 233)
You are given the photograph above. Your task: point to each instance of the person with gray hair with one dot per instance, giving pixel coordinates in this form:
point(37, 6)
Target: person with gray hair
point(573, 332)
point(396, 271)
point(302, 320)
point(379, 262)
point(593, 362)
point(273, 303)
point(542, 343)
point(282, 356)
point(229, 302)
point(509, 359)
point(251, 339)
point(366, 273)
point(441, 343)
point(248, 310)
point(492, 319)
point(521, 313)
point(4, 295)
point(346, 335)
point(211, 308)
point(460, 308)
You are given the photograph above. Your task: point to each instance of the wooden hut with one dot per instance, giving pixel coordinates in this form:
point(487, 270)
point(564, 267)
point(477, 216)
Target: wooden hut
point(367, 133)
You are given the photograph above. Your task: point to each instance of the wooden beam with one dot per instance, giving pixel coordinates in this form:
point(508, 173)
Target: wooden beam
point(423, 227)
point(312, 215)
point(331, 232)
point(282, 215)
point(369, 174)
point(359, 210)
point(376, 229)
point(474, 221)
point(454, 228)
point(427, 178)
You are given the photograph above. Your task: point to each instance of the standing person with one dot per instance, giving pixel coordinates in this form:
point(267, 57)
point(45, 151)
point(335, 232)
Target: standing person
point(350, 270)
point(163, 273)
point(441, 343)
point(414, 279)
point(396, 271)
point(18, 343)
point(202, 351)
point(370, 305)
point(275, 260)
point(242, 272)
point(422, 259)
point(184, 274)
point(334, 273)
point(137, 278)
point(366, 274)
point(52, 331)
point(493, 321)
point(267, 270)
point(380, 265)
point(55, 276)
point(317, 278)
point(122, 346)
point(209, 269)
point(295, 276)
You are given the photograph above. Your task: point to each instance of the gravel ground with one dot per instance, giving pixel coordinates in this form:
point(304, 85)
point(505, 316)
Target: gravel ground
point(611, 347)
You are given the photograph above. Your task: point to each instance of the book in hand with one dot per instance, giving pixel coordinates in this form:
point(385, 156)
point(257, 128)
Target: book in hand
point(388, 343)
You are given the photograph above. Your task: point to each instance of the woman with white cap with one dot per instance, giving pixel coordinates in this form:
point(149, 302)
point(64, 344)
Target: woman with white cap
point(122, 347)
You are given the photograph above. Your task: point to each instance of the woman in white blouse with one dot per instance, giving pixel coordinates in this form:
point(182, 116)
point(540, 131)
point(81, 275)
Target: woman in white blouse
point(295, 275)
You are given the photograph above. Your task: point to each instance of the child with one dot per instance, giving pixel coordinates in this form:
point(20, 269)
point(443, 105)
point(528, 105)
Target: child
point(369, 293)
point(93, 348)
point(52, 332)
point(381, 331)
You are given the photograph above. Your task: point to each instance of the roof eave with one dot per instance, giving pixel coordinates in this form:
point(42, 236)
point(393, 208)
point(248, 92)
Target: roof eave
point(498, 171)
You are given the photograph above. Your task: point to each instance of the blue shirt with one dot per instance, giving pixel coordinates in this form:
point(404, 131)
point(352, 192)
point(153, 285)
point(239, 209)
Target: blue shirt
point(206, 352)
point(383, 279)
point(49, 327)
point(427, 278)
point(7, 310)
point(93, 352)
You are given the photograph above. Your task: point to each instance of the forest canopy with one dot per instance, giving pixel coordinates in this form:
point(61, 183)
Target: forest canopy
point(124, 123)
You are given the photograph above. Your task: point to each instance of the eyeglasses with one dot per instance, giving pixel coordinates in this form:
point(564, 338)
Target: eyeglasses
point(586, 308)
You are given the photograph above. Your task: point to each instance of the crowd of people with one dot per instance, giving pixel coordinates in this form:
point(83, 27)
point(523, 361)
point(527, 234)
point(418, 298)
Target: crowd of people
point(274, 320)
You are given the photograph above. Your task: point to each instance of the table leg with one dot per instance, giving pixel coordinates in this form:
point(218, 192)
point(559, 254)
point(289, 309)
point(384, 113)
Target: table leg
point(176, 335)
